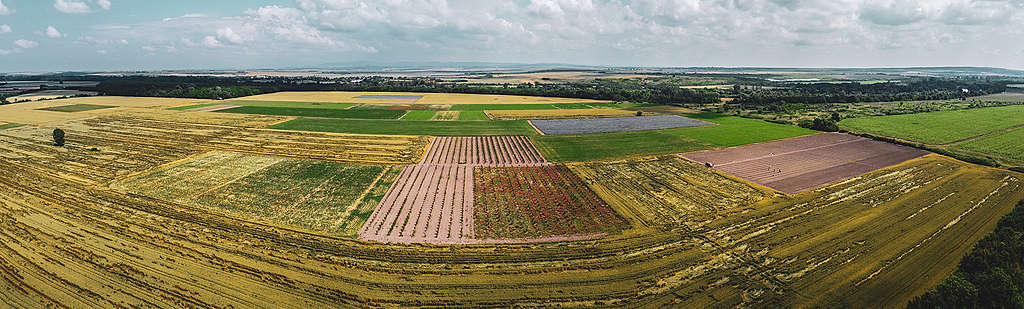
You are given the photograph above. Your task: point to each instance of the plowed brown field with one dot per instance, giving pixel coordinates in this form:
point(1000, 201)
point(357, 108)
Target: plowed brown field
point(802, 163)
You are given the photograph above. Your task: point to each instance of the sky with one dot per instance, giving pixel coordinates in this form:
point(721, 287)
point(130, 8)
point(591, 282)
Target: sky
point(76, 35)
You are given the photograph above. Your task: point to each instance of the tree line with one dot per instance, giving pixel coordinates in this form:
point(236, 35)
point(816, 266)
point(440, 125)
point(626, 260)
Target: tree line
point(223, 88)
point(825, 93)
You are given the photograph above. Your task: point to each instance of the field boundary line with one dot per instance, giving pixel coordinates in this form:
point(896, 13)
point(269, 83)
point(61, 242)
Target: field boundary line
point(187, 158)
point(1003, 130)
point(277, 160)
point(789, 152)
point(355, 204)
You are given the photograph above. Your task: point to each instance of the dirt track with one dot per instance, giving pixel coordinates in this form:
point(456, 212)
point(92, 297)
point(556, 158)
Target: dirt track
point(798, 164)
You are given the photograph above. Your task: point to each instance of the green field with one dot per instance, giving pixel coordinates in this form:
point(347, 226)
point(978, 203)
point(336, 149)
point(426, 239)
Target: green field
point(1009, 145)
point(75, 108)
point(188, 107)
point(419, 115)
point(6, 126)
point(293, 104)
point(730, 131)
point(472, 115)
point(434, 128)
point(483, 107)
point(940, 127)
point(735, 131)
point(318, 112)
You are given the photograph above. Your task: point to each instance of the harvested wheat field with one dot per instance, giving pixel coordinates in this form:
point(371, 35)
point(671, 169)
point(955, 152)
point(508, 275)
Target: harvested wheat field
point(146, 207)
point(405, 98)
point(558, 114)
point(667, 190)
point(802, 163)
point(319, 196)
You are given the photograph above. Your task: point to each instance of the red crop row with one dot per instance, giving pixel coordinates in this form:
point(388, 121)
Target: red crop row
point(538, 201)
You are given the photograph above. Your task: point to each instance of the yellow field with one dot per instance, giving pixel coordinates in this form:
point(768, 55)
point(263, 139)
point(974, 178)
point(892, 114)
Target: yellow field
point(668, 190)
point(48, 94)
point(428, 98)
point(28, 112)
point(558, 113)
point(330, 198)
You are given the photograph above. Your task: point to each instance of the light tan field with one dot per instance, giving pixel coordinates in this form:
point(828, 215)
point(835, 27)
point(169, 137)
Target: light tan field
point(28, 113)
point(428, 98)
point(48, 94)
point(707, 87)
point(558, 113)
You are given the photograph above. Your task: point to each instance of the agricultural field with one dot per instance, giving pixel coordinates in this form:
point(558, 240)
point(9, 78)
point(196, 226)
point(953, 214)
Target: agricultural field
point(538, 201)
point(50, 95)
point(992, 133)
point(316, 105)
point(940, 127)
point(406, 98)
point(621, 124)
point(1007, 145)
point(558, 114)
point(75, 108)
point(432, 128)
point(472, 116)
point(668, 190)
point(489, 150)
point(445, 116)
point(319, 196)
point(317, 112)
point(419, 115)
point(150, 207)
point(798, 164)
point(728, 131)
point(433, 201)
point(4, 126)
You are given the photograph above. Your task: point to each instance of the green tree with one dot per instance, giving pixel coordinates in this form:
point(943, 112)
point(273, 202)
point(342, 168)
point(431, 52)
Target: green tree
point(58, 137)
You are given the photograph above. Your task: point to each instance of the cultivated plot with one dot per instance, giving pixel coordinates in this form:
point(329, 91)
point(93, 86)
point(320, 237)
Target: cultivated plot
point(538, 202)
point(483, 150)
point(75, 108)
point(622, 124)
point(433, 201)
point(325, 197)
point(667, 190)
point(559, 114)
point(799, 164)
point(428, 203)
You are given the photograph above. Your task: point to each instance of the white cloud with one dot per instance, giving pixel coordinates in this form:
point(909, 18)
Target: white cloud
point(612, 32)
point(26, 44)
point(226, 34)
point(212, 42)
point(105, 4)
point(71, 6)
point(5, 29)
point(4, 10)
point(53, 33)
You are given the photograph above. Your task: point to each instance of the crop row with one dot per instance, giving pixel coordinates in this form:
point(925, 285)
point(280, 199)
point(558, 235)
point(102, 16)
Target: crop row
point(522, 202)
point(483, 150)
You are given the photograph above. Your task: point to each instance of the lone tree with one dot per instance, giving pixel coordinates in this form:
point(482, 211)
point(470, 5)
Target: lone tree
point(58, 137)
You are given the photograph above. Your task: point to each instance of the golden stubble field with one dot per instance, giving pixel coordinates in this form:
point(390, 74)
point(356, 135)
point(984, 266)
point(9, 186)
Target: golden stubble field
point(426, 99)
point(68, 238)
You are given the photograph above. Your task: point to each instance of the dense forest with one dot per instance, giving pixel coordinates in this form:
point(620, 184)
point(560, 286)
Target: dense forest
point(823, 93)
point(213, 88)
point(990, 276)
